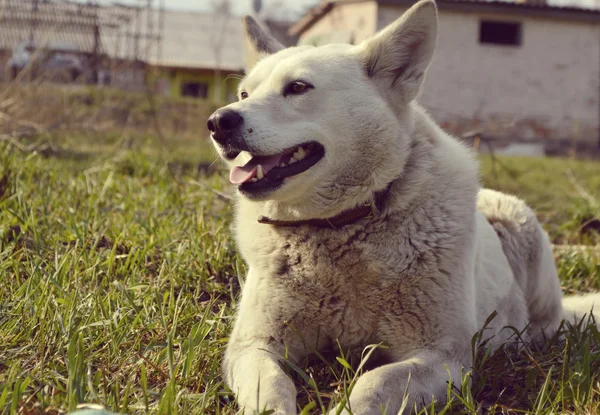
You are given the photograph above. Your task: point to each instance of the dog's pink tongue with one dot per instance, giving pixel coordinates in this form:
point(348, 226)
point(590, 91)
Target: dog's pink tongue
point(242, 174)
point(239, 175)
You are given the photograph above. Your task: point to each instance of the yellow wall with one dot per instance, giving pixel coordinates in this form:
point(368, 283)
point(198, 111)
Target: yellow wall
point(345, 23)
point(170, 80)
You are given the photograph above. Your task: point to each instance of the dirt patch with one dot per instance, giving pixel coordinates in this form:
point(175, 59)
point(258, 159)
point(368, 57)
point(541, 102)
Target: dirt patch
point(5, 183)
point(103, 243)
point(13, 233)
point(591, 225)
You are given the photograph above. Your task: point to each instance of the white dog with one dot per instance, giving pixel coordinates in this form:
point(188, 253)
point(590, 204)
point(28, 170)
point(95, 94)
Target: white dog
point(362, 222)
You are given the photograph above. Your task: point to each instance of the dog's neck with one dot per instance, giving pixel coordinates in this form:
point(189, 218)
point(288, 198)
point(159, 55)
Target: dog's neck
point(371, 208)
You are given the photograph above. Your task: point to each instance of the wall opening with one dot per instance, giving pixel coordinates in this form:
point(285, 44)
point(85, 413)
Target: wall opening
point(194, 89)
point(500, 33)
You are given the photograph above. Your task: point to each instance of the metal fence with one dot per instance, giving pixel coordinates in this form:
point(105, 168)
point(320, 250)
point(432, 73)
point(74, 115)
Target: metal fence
point(112, 40)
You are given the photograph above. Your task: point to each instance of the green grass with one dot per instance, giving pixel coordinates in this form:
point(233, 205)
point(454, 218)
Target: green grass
point(119, 278)
point(564, 193)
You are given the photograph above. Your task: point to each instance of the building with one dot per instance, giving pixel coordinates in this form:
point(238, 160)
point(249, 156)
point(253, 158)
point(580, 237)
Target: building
point(200, 57)
point(516, 70)
point(202, 54)
point(177, 53)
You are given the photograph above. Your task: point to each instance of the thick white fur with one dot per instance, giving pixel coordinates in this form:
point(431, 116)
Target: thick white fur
point(423, 276)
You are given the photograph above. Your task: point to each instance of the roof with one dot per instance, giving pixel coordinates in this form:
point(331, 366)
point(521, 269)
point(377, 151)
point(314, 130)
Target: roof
point(587, 10)
point(205, 40)
point(208, 40)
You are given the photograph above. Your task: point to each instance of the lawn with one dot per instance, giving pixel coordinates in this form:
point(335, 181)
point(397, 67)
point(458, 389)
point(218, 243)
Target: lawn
point(119, 279)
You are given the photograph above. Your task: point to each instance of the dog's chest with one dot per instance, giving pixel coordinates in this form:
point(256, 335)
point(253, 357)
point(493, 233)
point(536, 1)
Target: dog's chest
point(337, 275)
point(359, 285)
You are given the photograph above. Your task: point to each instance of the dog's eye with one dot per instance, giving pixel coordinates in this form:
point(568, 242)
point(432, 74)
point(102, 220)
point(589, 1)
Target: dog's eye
point(296, 88)
point(244, 95)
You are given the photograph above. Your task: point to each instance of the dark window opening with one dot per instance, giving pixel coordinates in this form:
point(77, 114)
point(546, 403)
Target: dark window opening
point(500, 33)
point(194, 89)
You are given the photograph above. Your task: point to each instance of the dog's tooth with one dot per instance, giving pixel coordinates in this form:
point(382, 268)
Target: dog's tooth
point(292, 160)
point(282, 165)
point(254, 180)
point(300, 154)
point(259, 172)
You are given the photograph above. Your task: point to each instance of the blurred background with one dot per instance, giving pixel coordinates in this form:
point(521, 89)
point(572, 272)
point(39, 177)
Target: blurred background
point(79, 77)
point(516, 77)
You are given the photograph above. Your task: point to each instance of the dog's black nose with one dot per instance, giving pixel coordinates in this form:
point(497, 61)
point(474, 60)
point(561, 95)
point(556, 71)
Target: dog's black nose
point(222, 123)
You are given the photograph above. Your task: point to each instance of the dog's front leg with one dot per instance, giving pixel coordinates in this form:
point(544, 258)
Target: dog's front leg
point(254, 374)
point(251, 363)
point(382, 390)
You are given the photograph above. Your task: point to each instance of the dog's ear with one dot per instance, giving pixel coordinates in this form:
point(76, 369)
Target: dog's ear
point(398, 56)
point(258, 42)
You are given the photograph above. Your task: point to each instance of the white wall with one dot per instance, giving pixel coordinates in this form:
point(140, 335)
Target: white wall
point(548, 87)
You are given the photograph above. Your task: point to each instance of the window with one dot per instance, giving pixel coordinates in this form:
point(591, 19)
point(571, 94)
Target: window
point(194, 89)
point(500, 33)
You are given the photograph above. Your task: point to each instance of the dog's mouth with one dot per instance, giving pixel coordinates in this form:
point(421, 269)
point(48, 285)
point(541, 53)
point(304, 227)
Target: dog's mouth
point(268, 172)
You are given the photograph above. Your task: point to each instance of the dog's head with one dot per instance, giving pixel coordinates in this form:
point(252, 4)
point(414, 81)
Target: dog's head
point(319, 129)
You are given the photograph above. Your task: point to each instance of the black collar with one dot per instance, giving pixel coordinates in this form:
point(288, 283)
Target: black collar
point(370, 209)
